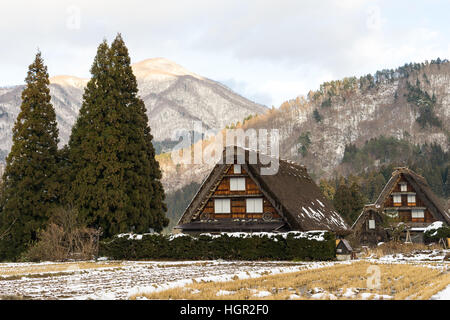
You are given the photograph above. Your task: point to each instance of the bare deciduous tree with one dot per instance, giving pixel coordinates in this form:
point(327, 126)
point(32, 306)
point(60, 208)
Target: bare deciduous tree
point(65, 238)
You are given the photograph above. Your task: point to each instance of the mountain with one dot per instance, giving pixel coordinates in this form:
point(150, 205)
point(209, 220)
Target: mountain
point(387, 118)
point(411, 103)
point(174, 97)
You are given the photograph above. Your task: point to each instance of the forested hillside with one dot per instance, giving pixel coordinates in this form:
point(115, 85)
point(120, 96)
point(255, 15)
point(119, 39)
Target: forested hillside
point(356, 130)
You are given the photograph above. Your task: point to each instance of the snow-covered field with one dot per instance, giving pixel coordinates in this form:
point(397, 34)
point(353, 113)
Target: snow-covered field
point(124, 279)
point(121, 280)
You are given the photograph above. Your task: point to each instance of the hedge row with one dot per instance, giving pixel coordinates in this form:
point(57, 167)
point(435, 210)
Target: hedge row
point(289, 246)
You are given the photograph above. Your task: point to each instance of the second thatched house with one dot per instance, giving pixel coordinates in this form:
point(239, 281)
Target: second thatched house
point(236, 197)
point(407, 199)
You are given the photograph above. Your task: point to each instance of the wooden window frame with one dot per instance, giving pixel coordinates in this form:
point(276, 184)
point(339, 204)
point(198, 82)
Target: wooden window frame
point(237, 184)
point(219, 209)
point(395, 196)
point(411, 203)
point(414, 213)
point(253, 209)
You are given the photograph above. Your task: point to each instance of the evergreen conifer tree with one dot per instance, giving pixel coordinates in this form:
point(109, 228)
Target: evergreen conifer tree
point(143, 187)
point(349, 201)
point(116, 179)
point(30, 184)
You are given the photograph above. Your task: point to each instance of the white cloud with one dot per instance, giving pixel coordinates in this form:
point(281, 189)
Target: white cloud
point(273, 50)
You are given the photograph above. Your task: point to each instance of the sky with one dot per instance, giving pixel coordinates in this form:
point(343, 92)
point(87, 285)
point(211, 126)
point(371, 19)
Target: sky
point(267, 51)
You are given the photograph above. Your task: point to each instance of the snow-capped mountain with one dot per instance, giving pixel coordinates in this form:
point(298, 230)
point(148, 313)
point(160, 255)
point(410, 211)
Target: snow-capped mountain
point(174, 97)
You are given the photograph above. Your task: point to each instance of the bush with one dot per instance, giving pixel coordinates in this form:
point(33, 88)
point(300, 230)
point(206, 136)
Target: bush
point(261, 246)
point(65, 238)
point(436, 231)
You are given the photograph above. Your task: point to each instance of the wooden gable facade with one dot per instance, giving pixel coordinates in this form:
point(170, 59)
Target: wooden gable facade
point(407, 198)
point(236, 198)
point(370, 227)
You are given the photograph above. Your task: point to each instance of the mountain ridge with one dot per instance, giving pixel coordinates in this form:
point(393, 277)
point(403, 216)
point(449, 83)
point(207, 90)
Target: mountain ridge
point(350, 111)
point(174, 96)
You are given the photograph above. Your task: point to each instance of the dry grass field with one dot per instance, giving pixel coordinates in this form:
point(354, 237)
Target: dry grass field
point(405, 272)
point(357, 280)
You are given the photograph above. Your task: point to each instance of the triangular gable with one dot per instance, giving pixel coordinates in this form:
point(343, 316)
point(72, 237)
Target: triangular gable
point(388, 188)
point(366, 211)
point(421, 188)
point(210, 185)
point(427, 196)
point(196, 204)
point(291, 191)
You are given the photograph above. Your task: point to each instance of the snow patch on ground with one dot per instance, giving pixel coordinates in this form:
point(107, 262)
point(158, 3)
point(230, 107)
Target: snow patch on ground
point(422, 256)
point(262, 294)
point(224, 292)
point(442, 295)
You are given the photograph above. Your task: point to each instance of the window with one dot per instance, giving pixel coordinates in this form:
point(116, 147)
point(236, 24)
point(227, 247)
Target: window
point(237, 184)
point(371, 224)
point(403, 187)
point(237, 168)
point(397, 199)
point(392, 213)
point(411, 198)
point(222, 206)
point(254, 205)
point(418, 214)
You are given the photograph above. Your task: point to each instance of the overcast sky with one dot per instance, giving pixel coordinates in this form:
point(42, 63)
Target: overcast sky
point(268, 51)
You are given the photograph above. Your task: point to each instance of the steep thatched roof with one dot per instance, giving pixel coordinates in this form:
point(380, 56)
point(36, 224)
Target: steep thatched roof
point(366, 210)
point(422, 188)
point(345, 244)
point(290, 190)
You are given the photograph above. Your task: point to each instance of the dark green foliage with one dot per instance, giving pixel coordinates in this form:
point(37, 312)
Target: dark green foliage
point(30, 186)
point(305, 142)
point(219, 247)
point(425, 104)
point(178, 201)
point(340, 88)
point(326, 103)
point(249, 117)
point(115, 177)
point(428, 160)
point(435, 235)
point(349, 200)
point(384, 149)
point(317, 115)
point(372, 185)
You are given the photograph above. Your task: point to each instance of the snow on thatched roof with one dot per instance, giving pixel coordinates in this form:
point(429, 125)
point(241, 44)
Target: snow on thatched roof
point(291, 190)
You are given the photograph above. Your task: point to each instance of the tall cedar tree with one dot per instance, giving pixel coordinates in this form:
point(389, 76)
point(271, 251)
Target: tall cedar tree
point(116, 179)
point(30, 183)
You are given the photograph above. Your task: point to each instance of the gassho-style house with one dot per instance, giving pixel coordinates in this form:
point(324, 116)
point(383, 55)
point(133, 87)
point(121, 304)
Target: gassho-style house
point(407, 199)
point(236, 197)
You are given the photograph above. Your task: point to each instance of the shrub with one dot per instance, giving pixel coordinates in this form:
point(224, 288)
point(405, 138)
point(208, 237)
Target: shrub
point(436, 231)
point(64, 238)
point(260, 246)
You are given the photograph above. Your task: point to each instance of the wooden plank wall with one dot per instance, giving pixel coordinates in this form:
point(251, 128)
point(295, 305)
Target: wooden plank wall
point(238, 204)
point(405, 215)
